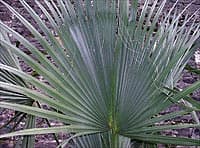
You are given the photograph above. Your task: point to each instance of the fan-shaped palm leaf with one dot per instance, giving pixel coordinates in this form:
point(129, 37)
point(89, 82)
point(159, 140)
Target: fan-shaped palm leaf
point(111, 73)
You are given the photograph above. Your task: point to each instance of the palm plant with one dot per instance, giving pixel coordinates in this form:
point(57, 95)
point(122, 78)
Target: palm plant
point(111, 74)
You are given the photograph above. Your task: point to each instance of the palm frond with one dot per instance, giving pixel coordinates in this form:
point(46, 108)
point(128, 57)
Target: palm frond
point(111, 72)
point(9, 59)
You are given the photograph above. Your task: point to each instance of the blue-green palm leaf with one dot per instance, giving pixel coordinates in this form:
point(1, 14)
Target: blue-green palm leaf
point(111, 73)
point(9, 59)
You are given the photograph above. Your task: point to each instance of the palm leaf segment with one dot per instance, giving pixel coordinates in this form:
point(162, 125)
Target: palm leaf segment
point(7, 58)
point(110, 68)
